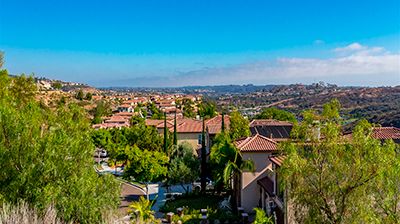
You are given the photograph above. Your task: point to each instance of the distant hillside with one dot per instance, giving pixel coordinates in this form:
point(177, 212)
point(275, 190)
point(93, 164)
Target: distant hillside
point(207, 90)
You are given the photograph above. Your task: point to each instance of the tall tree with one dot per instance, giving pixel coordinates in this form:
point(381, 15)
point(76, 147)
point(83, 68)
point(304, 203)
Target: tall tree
point(184, 166)
point(228, 164)
point(46, 158)
point(333, 179)
point(223, 123)
point(239, 126)
point(175, 140)
point(203, 159)
point(165, 133)
point(207, 109)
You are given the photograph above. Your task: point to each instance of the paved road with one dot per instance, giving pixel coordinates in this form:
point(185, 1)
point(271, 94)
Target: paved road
point(129, 193)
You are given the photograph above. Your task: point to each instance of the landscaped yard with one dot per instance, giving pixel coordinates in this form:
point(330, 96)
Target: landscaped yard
point(192, 205)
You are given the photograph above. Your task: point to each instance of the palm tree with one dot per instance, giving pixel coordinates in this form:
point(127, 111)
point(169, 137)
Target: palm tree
point(141, 211)
point(231, 160)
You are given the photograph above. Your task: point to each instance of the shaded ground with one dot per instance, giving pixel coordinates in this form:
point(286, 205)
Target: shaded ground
point(129, 193)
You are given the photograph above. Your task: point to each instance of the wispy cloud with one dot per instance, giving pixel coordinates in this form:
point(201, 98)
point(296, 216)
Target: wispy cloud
point(354, 64)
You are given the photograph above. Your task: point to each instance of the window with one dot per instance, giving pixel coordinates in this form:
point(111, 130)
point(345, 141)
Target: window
point(199, 137)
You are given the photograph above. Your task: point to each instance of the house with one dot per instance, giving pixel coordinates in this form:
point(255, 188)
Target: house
point(259, 149)
point(274, 129)
point(271, 196)
point(190, 130)
point(125, 108)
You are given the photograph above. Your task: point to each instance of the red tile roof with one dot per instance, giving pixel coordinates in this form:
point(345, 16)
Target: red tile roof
point(257, 143)
point(386, 133)
point(381, 133)
point(278, 160)
point(214, 124)
point(153, 122)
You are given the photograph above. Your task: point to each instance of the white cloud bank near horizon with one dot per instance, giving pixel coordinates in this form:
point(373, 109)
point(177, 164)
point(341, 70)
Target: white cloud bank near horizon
point(354, 64)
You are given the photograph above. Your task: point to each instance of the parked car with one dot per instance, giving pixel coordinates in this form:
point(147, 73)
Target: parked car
point(196, 186)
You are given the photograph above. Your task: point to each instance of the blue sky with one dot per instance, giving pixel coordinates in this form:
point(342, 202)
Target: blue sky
point(188, 42)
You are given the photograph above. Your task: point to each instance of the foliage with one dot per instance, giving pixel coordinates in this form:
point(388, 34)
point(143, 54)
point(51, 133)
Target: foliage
point(88, 96)
point(192, 204)
point(79, 95)
point(56, 85)
point(261, 217)
point(188, 108)
point(332, 179)
point(154, 111)
point(228, 163)
point(239, 126)
point(102, 109)
point(276, 114)
point(46, 157)
point(141, 211)
point(145, 166)
point(207, 109)
point(137, 120)
point(184, 165)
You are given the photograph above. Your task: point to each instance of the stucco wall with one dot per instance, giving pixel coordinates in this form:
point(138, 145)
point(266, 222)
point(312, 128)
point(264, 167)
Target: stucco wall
point(191, 138)
point(250, 192)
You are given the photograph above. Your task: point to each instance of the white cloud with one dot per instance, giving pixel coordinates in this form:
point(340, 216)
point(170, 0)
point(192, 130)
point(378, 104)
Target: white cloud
point(363, 66)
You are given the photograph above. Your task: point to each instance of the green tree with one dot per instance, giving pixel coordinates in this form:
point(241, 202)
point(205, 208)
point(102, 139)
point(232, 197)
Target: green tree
point(175, 137)
point(188, 108)
point(332, 179)
point(155, 112)
point(184, 166)
point(141, 211)
point(228, 164)
point(102, 109)
point(88, 96)
point(276, 114)
point(79, 95)
point(207, 109)
point(23, 88)
point(203, 159)
point(56, 85)
point(145, 166)
point(46, 158)
point(239, 126)
point(1, 59)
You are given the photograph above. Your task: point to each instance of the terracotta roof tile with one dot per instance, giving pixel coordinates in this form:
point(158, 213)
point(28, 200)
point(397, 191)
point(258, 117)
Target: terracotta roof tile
point(386, 133)
point(257, 143)
point(278, 160)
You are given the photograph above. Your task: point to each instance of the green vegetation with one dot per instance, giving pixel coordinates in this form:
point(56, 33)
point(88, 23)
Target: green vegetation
point(79, 95)
point(56, 85)
point(184, 165)
point(155, 112)
point(276, 114)
point(261, 217)
point(239, 126)
point(192, 204)
point(46, 156)
point(144, 165)
point(88, 96)
point(188, 108)
point(102, 109)
point(207, 109)
point(141, 211)
point(332, 179)
point(228, 164)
